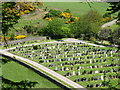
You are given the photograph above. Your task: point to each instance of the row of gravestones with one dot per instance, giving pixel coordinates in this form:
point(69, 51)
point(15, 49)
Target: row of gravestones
point(63, 55)
point(49, 64)
point(85, 72)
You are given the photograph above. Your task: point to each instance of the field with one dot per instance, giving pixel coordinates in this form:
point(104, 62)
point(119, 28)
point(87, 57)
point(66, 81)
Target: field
point(78, 8)
point(16, 72)
point(83, 64)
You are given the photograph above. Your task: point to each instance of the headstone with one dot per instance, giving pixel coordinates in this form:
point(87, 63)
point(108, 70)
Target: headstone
point(102, 77)
point(96, 71)
point(90, 60)
point(73, 73)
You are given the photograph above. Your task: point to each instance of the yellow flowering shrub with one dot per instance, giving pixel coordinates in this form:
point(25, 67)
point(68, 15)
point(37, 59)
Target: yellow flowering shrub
point(2, 38)
point(66, 15)
point(20, 36)
point(49, 18)
point(106, 19)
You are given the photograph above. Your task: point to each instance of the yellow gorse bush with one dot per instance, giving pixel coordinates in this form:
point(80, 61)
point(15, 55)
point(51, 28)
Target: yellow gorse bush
point(20, 37)
point(2, 38)
point(66, 15)
point(106, 19)
point(48, 18)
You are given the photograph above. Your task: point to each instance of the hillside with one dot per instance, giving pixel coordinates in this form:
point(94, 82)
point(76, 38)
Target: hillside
point(78, 8)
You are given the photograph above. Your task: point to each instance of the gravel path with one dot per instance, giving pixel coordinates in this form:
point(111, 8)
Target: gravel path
point(109, 23)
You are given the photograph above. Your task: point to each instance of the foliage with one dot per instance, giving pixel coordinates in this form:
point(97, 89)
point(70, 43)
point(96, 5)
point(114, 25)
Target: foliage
point(84, 29)
point(22, 84)
point(66, 15)
point(106, 19)
point(54, 29)
point(2, 38)
point(105, 34)
point(114, 8)
point(52, 13)
point(11, 12)
point(12, 36)
point(20, 36)
point(67, 11)
point(35, 47)
point(93, 16)
point(116, 36)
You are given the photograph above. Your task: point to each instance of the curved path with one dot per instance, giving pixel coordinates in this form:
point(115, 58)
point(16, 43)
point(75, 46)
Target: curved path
point(109, 23)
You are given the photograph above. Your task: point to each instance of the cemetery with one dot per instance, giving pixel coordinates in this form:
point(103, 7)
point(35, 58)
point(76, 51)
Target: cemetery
point(84, 64)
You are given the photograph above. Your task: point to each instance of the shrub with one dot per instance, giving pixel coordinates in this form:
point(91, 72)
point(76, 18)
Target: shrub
point(56, 29)
point(105, 34)
point(12, 36)
point(35, 47)
point(67, 11)
point(52, 13)
point(20, 36)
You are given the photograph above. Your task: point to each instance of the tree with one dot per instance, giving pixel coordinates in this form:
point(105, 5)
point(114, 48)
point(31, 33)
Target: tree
point(9, 17)
point(114, 8)
point(93, 16)
point(11, 12)
point(116, 37)
point(105, 34)
point(54, 28)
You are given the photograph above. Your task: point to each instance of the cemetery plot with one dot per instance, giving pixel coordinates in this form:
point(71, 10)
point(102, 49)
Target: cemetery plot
point(84, 64)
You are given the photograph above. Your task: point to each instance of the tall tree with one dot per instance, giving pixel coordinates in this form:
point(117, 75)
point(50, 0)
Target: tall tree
point(11, 12)
point(114, 8)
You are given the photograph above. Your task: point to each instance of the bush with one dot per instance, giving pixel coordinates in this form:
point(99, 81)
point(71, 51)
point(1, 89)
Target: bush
point(105, 34)
point(52, 13)
point(12, 36)
point(67, 10)
point(92, 39)
point(56, 29)
point(35, 47)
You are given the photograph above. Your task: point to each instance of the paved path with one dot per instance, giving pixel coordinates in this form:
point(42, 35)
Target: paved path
point(109, 23)
point(25, 39)
point(76, 40)
point(51, 72)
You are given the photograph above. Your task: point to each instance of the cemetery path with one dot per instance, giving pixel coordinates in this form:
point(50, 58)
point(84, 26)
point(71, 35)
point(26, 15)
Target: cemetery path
point(51, 72)
point(76, 40)
point(109, 23)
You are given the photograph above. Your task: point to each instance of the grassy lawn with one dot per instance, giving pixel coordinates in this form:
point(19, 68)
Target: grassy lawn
point(78, 8)
point(113, 27)
point(16, 72)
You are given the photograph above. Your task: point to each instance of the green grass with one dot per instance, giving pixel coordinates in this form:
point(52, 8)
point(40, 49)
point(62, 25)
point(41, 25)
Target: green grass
point(113, 27)
point(16, 72)
point(78, 8)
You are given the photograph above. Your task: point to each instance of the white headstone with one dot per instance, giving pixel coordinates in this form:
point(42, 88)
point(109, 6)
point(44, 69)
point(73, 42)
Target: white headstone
point(90, 60)
point(73, 73)
point(102, 77)
point(96, 72)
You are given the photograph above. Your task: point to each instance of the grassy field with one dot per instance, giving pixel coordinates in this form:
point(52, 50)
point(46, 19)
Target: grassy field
point(78, 8)
point(16, 72)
